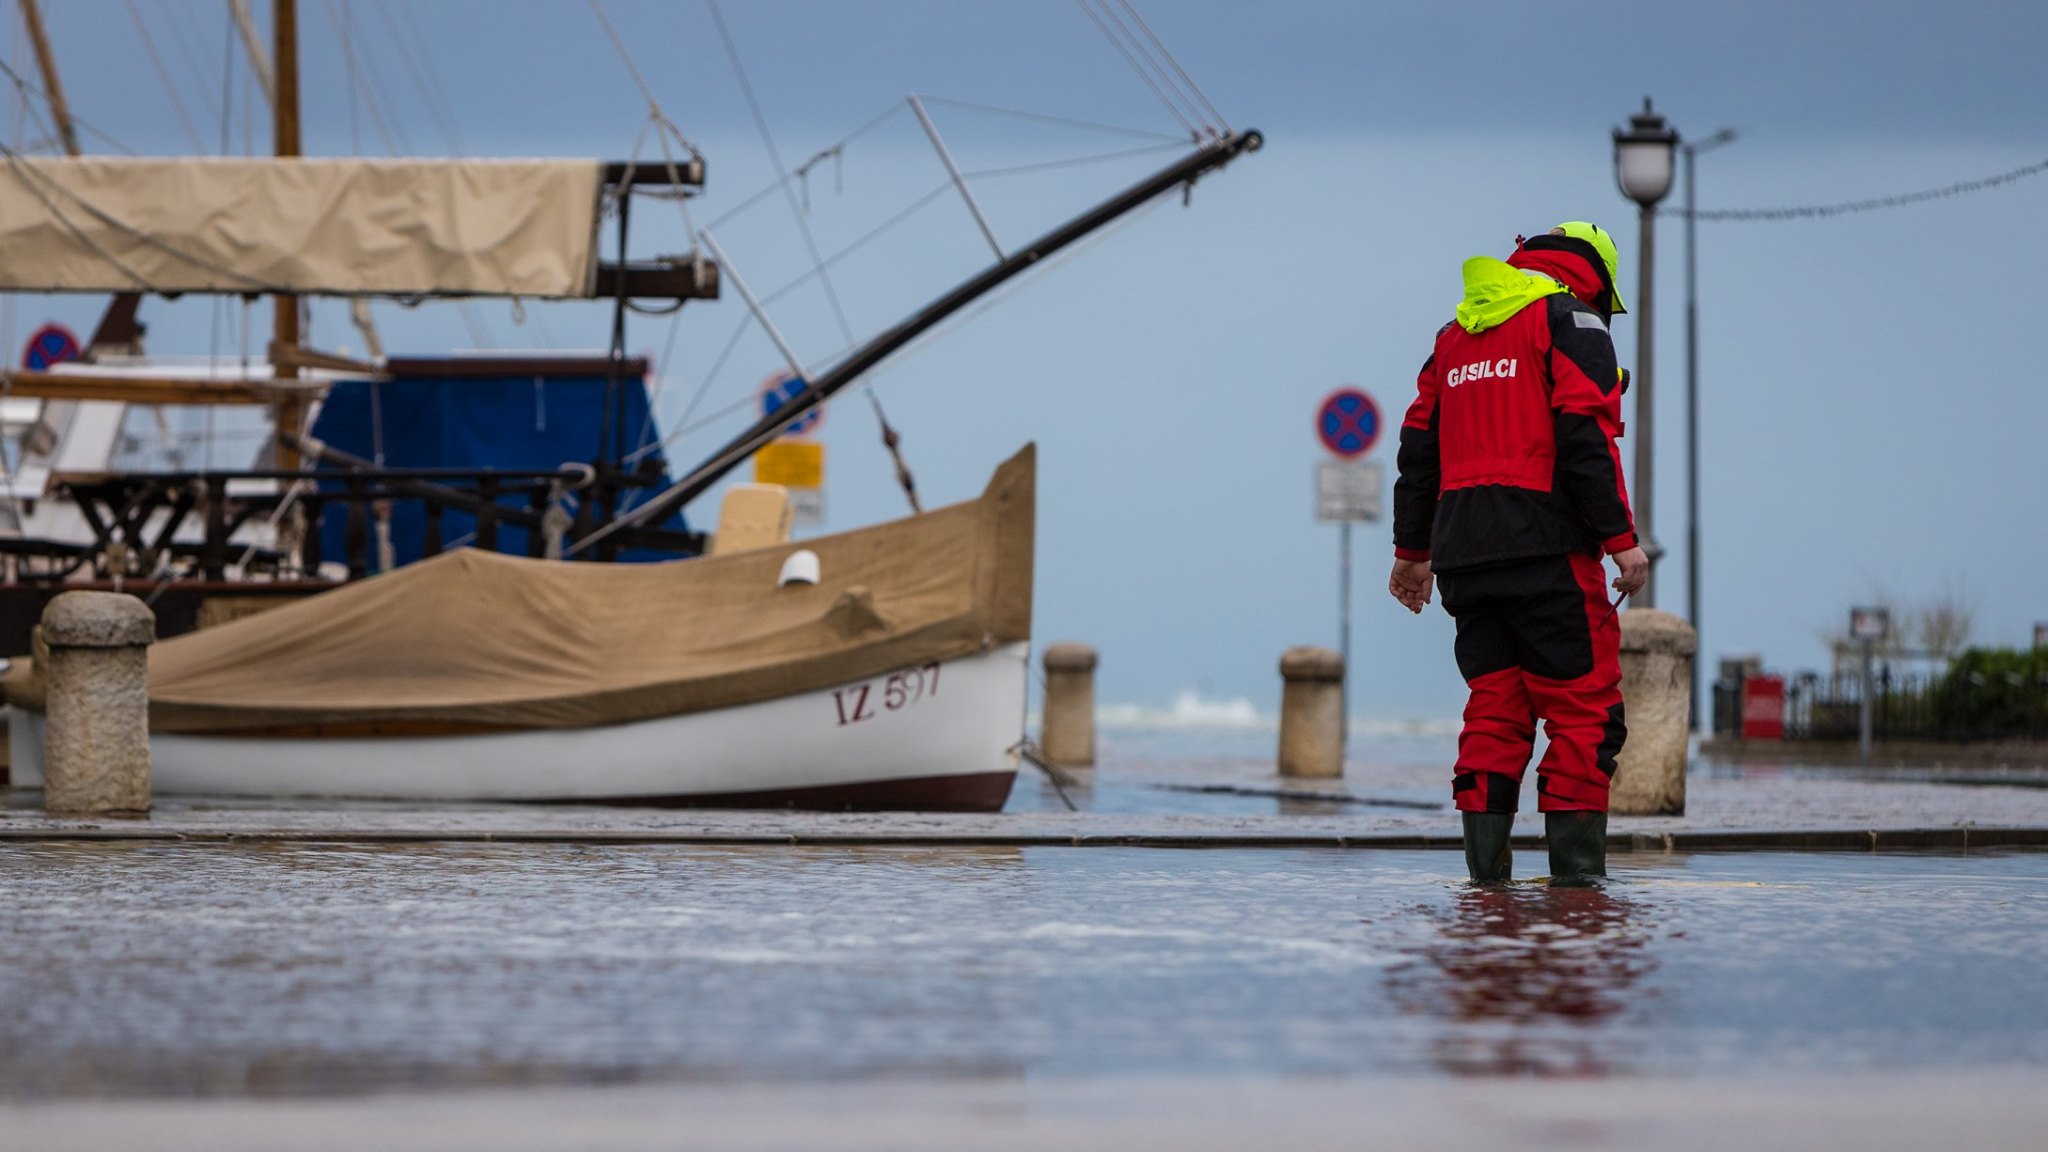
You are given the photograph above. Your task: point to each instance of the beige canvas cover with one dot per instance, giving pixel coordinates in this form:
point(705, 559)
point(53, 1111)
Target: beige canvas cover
point(316, 225)
point(472, 641)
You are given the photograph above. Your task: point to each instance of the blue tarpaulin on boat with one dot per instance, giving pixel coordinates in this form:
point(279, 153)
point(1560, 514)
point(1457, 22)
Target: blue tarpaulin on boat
point(506, 422)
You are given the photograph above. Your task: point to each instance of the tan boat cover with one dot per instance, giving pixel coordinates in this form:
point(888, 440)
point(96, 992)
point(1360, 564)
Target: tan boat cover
point(343, 227)
point(473, 641)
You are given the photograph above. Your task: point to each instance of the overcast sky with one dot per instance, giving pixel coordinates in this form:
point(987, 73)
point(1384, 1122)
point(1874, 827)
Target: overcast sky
point(1872, 400)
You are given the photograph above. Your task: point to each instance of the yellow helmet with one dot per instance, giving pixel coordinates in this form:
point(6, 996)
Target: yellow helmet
point(1604, 245)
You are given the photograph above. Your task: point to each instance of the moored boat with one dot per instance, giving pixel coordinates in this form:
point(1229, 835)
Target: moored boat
point(896, 680)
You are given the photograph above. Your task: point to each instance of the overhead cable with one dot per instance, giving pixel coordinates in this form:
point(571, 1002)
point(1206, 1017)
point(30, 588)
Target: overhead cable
point(1872, 204)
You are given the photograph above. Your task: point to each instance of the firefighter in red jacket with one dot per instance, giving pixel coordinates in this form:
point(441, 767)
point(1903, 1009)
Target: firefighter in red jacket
point(1510, 492)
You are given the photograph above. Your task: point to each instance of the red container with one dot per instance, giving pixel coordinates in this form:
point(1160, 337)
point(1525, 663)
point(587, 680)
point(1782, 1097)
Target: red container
point(1763, 708)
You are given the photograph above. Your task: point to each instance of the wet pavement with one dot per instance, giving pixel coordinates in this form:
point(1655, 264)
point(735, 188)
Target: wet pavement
point(149, 969)
point(229, 974)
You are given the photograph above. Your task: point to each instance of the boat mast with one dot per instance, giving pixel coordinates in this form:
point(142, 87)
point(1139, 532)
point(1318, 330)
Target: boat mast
point(284, 344)
point(60, 110)
point(117, 328)
point(245, 25)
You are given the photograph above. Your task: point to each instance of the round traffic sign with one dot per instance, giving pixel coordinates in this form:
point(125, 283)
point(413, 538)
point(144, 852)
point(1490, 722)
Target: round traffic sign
point(48, 345)
point(1348, 423)
point(778, 391)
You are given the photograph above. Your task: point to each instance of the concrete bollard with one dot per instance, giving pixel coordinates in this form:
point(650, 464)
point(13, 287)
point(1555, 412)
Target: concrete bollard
point(96, 733)
point(1069, 729)
point(1656, 689)
point(1311, 713)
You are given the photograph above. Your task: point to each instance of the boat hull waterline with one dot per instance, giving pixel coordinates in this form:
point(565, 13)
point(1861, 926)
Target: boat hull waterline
point(940, 737)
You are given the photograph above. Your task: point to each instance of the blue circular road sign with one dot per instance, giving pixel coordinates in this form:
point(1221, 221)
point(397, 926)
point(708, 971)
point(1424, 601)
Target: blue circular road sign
point(1348, 423)
point(48, 345)
point(778, 391)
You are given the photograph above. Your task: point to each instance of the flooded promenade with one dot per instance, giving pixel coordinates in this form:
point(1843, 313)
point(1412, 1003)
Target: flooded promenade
point(345, 966)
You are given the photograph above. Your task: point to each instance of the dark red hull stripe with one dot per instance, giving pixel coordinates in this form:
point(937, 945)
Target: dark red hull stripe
point(971, 792)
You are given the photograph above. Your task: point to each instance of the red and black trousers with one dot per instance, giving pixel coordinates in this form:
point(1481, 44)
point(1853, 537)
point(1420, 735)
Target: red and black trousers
point(1537, 640)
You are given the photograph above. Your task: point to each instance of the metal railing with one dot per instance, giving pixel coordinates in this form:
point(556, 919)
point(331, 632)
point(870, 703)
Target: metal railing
point(1965, 703)
point(221, 525)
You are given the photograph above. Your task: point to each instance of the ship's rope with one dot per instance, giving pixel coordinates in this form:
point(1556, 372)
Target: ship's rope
point(163, 74)
point(25, 89)
point(1166, 54)
point(1043, 118)
point(892, 440)
point(175, 17)
point(1131, 58)
point(395, 143)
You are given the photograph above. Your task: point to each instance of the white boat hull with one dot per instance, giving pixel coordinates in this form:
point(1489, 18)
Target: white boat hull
point(937, 737)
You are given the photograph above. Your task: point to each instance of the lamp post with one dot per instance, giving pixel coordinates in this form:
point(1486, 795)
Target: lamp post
point(1643, 164)
point(1692, 402)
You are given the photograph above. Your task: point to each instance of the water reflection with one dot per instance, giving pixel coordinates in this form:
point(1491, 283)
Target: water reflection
point(1526, 975)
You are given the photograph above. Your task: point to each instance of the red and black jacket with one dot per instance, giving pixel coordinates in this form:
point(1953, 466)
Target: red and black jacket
point(1508, 451)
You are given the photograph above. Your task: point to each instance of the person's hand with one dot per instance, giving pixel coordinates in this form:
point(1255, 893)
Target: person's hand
point(1635, 571)
point(1411, 583)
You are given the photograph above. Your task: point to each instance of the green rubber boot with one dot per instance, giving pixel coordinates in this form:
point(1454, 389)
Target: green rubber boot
point(1487, 855)
point(1578, 846)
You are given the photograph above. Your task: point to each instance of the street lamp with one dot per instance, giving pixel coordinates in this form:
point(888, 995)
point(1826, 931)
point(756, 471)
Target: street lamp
point(1692, 402)
point(1643, 163)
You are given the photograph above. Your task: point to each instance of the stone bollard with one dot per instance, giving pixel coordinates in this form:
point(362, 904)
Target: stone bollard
point(1069, 729)
point(1311, 713)
point(1656, 689)
point(96, 732)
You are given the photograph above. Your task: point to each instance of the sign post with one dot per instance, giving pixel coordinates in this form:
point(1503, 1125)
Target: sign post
point(1347, 491)
point(1868, 627)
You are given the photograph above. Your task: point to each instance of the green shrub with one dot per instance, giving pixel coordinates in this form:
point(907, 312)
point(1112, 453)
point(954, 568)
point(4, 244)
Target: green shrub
point(1994, 692)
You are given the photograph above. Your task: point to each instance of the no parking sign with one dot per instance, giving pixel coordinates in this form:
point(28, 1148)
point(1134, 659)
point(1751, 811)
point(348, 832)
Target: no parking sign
point(1348, 423)
point(49, 345)
point(1348, 488)
point(781, 390)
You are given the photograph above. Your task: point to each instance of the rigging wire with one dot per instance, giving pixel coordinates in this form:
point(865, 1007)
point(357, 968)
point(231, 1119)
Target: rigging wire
point(1167, 53)
point(359, 78)
point(1031, 276)
point(227, 105)
point(27, 89)
point(683, 425)
point(872, 234)
point(1021, 114)
point(891, 439)
point(1139, 69)
point(781, 172)
point(895, 108)
point(174, 19)
point(646, 92)
point(163, 74)
point(1076, 162)
point(1158, 69)
point(1870, 204)
point(423, 79)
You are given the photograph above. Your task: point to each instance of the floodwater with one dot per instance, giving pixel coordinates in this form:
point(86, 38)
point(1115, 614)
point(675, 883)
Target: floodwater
point(207, 969)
